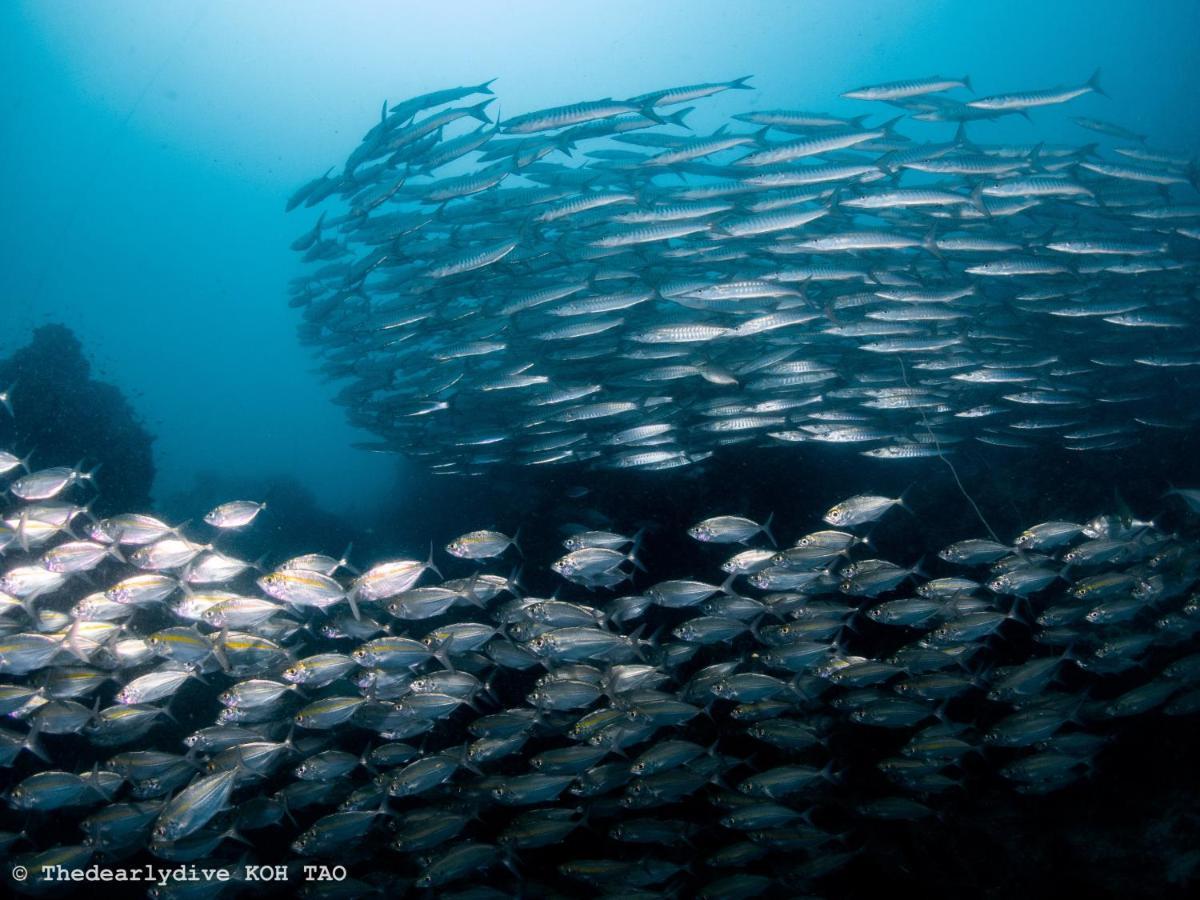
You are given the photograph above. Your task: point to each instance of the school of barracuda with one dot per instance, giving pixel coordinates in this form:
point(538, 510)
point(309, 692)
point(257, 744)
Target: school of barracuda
point(424, 731)
point(595, 283)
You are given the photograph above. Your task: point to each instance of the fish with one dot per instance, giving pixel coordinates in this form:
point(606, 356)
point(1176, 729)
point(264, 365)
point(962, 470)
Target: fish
point(902, 90)
point(46, 484)
point(860, 509)
point(594, 699)
point(1190, 496)
point(195, 806)
point(730, 530)
point(1029, 99)
point(234, 514)
point(576, 345)
point(482, 545)
point(629, 708)
point(578, 114)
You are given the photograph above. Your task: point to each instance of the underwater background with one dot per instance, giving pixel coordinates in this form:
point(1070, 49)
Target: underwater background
point(148, 152)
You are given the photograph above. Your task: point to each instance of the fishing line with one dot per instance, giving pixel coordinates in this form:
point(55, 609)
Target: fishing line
point(953, 471)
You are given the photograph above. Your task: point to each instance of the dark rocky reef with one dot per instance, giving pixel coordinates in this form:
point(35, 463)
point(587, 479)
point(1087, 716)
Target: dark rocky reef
point(65, 416)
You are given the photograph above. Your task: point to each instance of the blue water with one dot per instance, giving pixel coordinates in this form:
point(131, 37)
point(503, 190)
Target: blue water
point(146, 153)
point(148, 149)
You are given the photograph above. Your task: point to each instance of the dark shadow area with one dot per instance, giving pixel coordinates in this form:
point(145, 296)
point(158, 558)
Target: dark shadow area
point(64, 416)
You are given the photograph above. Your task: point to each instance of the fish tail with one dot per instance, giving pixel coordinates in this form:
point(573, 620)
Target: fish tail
point(677, 118)
point(33, 744)
point(479, 111)
point(649, 113)
point(766, 529)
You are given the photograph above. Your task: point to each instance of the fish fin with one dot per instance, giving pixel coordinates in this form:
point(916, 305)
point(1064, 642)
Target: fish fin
point(635, 640)
point(363, 761)
point(513, 584)
point(234, 835)
point(508, 859)
point(678, 117)
point(832, 775)
point(960, 135)
point(442, 655)
point(23, 540)
point(218, 653)
point(73, 644)
point(649, 113)
point(95, 711)
point(884, 165)
point(563, 142)
point(966, 80)
point(430, 564)
point(929, 243)
point(889, 127)
point(766, 529)
point(33, 744)
point(739, 84)
point(353, 606)
point(1123, 511)
point(978, 202)
point(485, 87)
point(517, 546)
point(286, 811)
point(287, 741)
point(1094, 84)
point(109, 793)
point(344, 562)
point(478, 111)
point(1192, 173)
point(1025, 617)
point(178, 529)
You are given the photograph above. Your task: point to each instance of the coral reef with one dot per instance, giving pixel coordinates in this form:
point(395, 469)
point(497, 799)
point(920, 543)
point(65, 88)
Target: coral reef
point(65, 416)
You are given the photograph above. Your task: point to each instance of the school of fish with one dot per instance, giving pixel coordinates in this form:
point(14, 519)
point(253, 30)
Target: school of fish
point(167, 700)
point(596, 283)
